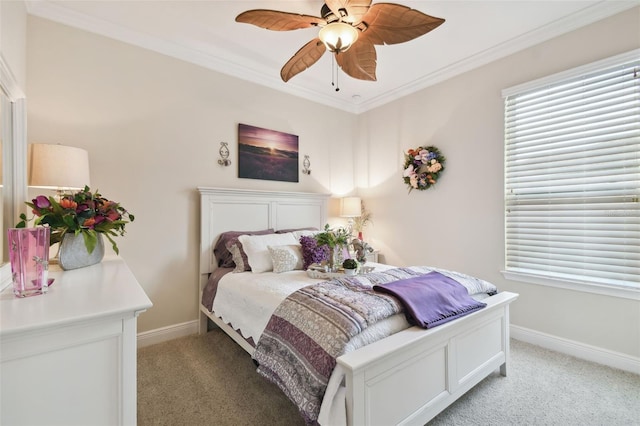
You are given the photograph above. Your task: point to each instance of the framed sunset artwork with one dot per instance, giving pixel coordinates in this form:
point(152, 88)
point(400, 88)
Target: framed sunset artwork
point(267, 154)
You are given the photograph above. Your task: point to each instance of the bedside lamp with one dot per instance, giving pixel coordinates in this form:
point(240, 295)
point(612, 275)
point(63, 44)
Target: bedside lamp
point(350, 207)
point(57, 167)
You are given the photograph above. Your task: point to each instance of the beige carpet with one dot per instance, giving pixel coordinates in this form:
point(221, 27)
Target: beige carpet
point(209, 380)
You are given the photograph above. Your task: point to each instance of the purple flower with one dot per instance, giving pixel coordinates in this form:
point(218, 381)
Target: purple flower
point(41, 202)
point(311, 252)
point(82, 207)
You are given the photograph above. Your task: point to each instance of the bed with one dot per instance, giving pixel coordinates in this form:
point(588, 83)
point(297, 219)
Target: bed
point(406, 378)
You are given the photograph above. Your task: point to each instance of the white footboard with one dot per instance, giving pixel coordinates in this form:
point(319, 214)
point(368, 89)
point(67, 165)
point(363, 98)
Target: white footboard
point(410, 377)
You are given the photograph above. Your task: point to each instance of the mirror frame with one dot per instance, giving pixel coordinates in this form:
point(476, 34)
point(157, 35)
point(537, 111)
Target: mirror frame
point(14, 155)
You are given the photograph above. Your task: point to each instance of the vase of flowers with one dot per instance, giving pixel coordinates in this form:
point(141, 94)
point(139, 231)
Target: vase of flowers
point(335, 240)
point(360, 222)
point(78, 221)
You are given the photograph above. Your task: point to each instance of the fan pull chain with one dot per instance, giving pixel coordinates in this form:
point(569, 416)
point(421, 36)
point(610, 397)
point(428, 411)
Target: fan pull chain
point(334, 75)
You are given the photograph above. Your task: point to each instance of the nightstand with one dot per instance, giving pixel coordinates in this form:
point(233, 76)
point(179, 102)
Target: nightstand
point(373, 256)
point(69, 356)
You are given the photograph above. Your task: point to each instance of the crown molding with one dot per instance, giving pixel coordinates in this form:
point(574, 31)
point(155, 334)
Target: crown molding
point(589, 15)
point(54, 12)
point(8, 82)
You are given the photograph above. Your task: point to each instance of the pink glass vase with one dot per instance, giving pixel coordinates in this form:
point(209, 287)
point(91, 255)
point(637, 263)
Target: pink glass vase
point(29, 257)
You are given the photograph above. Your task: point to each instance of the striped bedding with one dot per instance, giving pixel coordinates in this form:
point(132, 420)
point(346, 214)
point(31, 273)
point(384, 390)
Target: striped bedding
point(316, 324)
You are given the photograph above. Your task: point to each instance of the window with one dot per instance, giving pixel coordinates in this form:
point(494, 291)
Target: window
point(572, 178)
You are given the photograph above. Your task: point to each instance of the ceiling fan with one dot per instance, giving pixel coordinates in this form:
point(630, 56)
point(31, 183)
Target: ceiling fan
point(349, 29)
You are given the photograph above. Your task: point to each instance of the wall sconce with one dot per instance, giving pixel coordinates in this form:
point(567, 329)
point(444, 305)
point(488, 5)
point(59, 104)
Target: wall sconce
point(57, 167)
point(224, 155)
point(306, 164)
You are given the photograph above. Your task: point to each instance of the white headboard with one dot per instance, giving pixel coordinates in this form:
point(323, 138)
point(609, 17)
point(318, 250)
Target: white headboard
point(248, 210)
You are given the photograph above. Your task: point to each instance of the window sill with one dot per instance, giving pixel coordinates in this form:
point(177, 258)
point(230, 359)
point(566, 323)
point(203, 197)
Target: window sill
point(606, 290)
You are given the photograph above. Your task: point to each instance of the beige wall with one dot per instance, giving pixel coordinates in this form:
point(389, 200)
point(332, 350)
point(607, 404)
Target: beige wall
point(153, 124)
point(459, 223)
point(13, 25)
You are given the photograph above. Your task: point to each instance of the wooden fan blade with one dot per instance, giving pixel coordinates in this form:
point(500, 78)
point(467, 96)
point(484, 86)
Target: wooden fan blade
point(390, 23)
point(278, 21)
point(303, 59)
point(359, 61)
point(355, 9)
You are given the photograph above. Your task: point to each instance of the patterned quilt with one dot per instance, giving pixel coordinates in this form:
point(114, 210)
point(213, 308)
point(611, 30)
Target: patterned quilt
point(312, 327)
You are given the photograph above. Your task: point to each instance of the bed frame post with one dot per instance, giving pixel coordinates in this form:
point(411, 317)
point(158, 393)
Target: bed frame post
point(507, 348)
point(203, 323)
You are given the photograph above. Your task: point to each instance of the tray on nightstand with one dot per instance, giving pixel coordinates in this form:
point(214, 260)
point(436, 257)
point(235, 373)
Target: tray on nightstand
point(320, 273)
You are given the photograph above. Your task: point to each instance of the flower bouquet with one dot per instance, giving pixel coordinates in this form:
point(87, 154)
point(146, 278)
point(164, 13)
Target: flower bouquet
point(360, 222)
point(82, 212)
point(335, 240)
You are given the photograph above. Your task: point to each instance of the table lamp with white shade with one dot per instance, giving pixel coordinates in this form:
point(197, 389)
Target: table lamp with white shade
point(57, 167)
point(350, 207)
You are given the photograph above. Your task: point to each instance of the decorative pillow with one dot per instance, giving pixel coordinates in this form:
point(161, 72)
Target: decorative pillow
point(239, 257)
point(220, 250)
point(286, 258)
point(311, 253)
point(255, 246)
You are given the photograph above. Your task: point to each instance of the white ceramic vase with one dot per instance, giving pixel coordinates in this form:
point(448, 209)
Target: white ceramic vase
point(73, 253)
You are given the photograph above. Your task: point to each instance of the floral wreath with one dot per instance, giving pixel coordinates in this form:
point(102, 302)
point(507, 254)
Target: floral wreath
point(422, 167)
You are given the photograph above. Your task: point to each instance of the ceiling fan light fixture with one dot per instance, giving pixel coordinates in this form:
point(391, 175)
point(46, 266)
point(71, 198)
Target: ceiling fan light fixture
point(338, 36)
point(342, 24)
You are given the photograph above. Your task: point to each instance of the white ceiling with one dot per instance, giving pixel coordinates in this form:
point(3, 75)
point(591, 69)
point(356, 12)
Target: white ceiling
point(204, 32)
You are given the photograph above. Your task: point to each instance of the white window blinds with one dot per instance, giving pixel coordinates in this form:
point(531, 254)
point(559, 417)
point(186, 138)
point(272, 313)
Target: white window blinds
point(572, 175)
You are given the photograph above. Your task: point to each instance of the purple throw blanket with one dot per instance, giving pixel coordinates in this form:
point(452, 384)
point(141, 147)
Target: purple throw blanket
point(432, 299)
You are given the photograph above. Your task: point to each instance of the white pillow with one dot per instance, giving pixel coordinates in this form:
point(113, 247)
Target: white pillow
point(286, 258)
point(305, 232)
point(256, 248)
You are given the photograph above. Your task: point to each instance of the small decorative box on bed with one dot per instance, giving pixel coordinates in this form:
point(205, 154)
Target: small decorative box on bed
point(358, 356)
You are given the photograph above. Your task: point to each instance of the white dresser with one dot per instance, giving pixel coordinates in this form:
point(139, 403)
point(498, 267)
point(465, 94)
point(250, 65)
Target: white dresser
point(68, 357)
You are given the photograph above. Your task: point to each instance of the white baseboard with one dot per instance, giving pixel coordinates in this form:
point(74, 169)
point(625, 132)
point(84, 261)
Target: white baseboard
point(577, 349)
point(159, 335)
point(548, 341)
